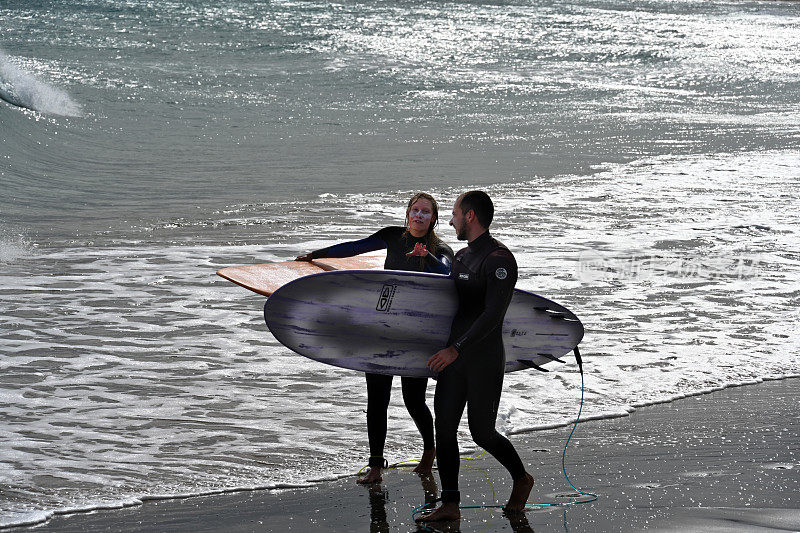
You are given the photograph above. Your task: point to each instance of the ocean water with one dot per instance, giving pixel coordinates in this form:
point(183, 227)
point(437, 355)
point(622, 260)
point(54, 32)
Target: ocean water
point(644, 157)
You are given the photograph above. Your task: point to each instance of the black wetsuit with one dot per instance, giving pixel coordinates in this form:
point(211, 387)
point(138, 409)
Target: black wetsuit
point(398, 243)
point(485, 273)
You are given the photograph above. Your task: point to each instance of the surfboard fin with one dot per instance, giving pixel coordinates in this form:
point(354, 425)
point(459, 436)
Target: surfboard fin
point(551, 357)
point(531, 364)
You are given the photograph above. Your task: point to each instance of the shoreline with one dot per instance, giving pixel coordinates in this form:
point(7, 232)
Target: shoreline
point(342, 503)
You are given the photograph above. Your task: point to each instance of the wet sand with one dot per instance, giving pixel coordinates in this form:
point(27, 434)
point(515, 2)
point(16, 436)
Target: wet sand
point(724, 461)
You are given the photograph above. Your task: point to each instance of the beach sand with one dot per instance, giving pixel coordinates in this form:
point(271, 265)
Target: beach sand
point(724, 461)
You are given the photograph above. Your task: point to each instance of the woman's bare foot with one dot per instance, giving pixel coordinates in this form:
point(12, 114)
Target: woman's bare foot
point(448, 512)
point(519, 494)
point(429, 486)
point(373, 476)
point(425, 465)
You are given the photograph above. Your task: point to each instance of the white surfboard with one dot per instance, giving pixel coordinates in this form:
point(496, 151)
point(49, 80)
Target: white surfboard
point(392, 322)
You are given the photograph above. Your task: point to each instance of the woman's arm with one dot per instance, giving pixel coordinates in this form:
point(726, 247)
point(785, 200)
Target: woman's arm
point(439, 264)
point(347, 249)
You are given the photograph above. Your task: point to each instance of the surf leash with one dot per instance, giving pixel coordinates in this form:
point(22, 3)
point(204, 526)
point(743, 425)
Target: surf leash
point(401, 463)
point(591, 495)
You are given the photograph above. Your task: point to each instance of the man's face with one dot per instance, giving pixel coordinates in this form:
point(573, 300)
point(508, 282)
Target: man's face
point(458, 221)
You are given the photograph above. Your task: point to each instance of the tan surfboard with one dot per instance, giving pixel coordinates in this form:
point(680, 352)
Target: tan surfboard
point(358, 262)
point(266, 278)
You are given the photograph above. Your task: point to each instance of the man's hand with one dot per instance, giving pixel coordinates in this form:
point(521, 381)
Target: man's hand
point(419, 249)
point(306, 257)
point(442, 359)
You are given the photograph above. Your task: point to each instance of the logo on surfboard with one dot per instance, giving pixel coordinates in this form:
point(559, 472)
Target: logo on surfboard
point(386, 297)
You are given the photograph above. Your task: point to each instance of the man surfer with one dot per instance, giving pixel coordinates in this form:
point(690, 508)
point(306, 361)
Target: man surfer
point(471, 368)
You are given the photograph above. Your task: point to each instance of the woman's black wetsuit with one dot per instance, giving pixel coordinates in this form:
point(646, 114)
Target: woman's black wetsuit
point(485, 273)
point(398, 242)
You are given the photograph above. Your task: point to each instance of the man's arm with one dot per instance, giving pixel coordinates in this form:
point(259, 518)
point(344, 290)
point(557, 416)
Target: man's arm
point(501, 271)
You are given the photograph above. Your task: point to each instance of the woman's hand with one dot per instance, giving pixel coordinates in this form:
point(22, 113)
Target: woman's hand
point(419, 249)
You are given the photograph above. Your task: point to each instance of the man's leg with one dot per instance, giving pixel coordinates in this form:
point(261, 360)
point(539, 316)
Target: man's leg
point(484, 386)
point(448, 405)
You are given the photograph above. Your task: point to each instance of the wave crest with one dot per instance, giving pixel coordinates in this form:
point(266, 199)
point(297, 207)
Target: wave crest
point(23, 89)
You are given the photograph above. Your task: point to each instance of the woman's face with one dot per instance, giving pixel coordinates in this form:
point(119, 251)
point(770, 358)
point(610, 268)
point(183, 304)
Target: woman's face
point(420, 217)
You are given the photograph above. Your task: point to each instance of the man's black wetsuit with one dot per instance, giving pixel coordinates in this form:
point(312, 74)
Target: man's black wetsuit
point(398, 242)
point(485, 273)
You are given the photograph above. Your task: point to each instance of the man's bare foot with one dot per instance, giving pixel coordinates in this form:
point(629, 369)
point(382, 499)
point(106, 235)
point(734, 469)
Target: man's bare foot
point(373, 476)
point(448, 512)
point(519, 494)
point(425, 465)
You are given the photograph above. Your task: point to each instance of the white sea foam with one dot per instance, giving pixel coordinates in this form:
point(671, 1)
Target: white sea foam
point(24, 89)
point(13, 247)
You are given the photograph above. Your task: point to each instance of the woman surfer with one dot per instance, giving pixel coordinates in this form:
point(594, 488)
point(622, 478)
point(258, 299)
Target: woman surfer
point(414, 247)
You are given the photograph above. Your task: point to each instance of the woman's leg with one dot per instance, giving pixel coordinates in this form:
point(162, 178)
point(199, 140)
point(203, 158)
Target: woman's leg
point(379, 389)
point(414, 391)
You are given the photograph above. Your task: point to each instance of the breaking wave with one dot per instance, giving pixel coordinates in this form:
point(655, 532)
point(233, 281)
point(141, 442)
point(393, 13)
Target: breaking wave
point(22, 89)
